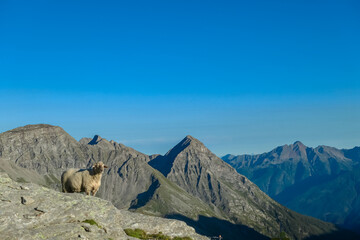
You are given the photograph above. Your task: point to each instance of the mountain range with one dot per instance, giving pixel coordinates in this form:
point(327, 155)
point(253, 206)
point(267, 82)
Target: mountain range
point(188, 183)
point(323, 182)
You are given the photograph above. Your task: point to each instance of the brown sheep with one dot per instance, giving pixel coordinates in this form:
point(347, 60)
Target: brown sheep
point(83, 180)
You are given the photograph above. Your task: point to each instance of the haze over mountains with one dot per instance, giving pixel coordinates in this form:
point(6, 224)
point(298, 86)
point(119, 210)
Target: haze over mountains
point(323, 182)
point(188, 183)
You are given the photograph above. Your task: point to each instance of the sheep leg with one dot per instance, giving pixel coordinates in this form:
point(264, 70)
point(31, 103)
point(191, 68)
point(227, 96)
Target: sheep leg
point(94, 192)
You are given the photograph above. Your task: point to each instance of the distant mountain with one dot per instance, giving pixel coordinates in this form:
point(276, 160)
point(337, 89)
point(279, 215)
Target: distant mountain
point(322, 182)
point(189, 183)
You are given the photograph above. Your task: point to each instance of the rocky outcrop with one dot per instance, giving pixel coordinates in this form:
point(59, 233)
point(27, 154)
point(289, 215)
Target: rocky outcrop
point(29, 211)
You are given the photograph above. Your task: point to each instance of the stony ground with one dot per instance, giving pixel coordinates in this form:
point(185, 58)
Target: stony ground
point(29, 211)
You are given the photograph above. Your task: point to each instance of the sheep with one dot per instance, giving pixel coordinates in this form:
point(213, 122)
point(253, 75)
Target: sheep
point(83, 180)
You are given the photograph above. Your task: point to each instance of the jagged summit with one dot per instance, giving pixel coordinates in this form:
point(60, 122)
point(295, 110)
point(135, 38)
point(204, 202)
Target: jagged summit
point(103, 143)
point(183, 144)
point(191, 141)
point(188, 139)
point(97, 142)
point(165, 163)
point(299, 149)
point(298, 143)
point(96, 139)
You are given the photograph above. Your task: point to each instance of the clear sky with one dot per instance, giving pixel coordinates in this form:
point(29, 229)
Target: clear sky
point(241, 76)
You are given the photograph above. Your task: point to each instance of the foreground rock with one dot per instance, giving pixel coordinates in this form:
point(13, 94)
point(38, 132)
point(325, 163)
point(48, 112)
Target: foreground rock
point(55, 215)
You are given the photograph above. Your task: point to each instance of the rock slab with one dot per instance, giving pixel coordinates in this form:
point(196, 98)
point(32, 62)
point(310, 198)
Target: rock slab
point(56, 215)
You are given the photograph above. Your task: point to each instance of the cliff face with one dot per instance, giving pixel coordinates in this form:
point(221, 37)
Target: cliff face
point(29, 211)
point(189, 183)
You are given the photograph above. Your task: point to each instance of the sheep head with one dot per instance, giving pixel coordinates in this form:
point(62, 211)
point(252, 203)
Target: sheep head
point(99, 167)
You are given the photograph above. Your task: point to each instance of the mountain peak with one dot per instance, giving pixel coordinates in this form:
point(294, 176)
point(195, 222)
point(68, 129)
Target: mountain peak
point(165, 163)
point(190, 137)
point(36, 131)
point(32, 127)
point(182, 145)
point(103, 143)
point(96, 139)
point(298, 145)
point(189, 140)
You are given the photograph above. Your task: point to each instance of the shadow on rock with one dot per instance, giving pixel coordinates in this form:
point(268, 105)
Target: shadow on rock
point(337, 235)
point(213, 227)
point(143, 198)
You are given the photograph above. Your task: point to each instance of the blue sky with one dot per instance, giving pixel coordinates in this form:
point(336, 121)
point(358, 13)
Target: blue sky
point(241, 76)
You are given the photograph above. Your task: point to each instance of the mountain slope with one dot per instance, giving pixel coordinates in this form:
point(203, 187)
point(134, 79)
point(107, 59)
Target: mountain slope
point(164, 198)
point(194, 168)
point(333, 198)
point(318, 182)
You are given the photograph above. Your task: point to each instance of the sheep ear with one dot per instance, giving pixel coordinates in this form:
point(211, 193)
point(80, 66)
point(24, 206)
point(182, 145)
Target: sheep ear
point(106, 166)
